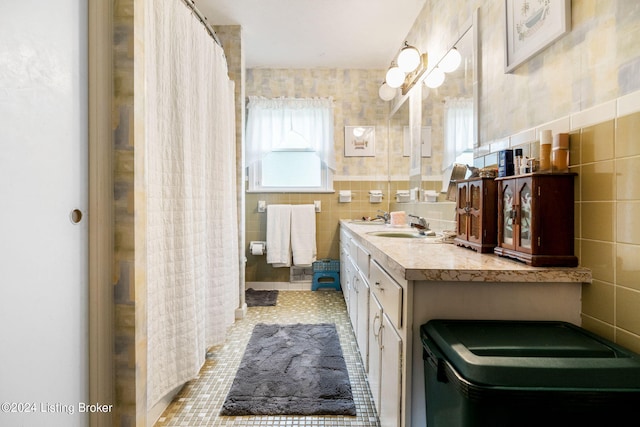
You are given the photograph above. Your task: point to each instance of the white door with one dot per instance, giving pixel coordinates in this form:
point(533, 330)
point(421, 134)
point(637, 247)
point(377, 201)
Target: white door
point(43, 245)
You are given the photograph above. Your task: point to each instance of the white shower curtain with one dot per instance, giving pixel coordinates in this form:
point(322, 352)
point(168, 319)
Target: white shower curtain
point(191, 235)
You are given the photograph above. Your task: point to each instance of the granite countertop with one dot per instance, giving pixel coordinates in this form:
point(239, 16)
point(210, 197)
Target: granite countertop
point(421, 259)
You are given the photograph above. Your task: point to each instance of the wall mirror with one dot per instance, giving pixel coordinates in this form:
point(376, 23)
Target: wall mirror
point(442, 122)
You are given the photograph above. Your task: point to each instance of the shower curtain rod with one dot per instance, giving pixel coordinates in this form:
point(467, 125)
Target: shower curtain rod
point(203, 19)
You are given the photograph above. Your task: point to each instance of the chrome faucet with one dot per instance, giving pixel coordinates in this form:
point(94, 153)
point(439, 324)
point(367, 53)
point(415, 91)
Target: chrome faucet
point(420, 223)
point(385, 215)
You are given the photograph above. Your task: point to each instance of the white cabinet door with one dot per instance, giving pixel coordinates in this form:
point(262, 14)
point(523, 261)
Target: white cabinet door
point(362, 328)
point(344, 277)
point(388, 292)
point(390, 375)
point(352, 300)
point(375, 348)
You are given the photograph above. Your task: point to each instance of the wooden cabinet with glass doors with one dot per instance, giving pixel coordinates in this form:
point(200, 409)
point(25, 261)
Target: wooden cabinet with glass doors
point(476, 214)
point(535, 219)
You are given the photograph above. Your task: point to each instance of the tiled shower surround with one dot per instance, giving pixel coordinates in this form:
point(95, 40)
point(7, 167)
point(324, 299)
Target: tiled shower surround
point(199, 402)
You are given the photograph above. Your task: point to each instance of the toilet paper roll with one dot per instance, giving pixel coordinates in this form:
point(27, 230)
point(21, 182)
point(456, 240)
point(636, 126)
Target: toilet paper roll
point(257, 249)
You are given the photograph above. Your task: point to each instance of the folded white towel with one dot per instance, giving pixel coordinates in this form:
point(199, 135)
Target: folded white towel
point(303, 234)
point(279, 235)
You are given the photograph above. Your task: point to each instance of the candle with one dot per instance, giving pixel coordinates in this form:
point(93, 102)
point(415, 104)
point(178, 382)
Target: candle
point(545, 150)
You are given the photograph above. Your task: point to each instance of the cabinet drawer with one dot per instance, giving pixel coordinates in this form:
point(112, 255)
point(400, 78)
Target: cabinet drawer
point(353, 250)
point(345, 237)
point(388, 292)
point(362, 259)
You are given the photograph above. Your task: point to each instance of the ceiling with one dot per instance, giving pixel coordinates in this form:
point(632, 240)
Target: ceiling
point(317, 33)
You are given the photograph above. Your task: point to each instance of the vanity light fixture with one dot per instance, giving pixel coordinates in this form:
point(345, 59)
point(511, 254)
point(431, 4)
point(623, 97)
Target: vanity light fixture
point(386, 92)
point(395, 76)
point(435, 78)
point(408, 58)
point(451, 61)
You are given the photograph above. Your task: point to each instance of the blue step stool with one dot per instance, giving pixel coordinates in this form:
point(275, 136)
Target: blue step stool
point(326, 279)
point(326, 274)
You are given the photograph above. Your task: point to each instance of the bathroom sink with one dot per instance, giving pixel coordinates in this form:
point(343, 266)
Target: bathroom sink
point(398, 234)
point(367, 221)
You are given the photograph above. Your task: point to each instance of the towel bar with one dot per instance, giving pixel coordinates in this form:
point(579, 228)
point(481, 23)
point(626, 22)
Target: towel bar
point(262, 206)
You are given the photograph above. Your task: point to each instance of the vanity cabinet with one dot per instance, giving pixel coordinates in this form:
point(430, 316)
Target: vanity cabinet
point(476, 214)
point(385, 345)
point(412, 282)
point(535, 219)
point(375, 306)
point(354, 261)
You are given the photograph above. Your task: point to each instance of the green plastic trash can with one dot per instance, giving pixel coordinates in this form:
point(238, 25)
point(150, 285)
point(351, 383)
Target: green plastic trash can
point(525, 374)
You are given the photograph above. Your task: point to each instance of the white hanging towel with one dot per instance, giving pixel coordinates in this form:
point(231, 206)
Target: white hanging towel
point(303, 234)
point(279, 235)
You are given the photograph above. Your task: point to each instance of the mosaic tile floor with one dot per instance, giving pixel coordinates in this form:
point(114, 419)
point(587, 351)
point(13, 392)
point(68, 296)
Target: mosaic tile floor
point(200, 400)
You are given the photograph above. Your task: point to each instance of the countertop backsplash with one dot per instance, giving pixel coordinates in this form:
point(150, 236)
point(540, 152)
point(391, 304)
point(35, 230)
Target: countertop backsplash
point(440, 215)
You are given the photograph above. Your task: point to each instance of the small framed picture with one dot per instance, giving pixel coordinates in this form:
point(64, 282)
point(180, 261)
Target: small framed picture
point(359, 141)
point(531, 26)
point(425, 139)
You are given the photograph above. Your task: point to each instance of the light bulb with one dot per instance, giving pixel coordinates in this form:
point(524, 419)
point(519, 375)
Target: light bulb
point(394, 77)
point(358, 132)
point(408, 59)
point(435, 78)
point(386, 92)
point(451, 61)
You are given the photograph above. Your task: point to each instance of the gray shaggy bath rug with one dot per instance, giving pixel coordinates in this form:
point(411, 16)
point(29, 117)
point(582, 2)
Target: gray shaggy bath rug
point(291, 370)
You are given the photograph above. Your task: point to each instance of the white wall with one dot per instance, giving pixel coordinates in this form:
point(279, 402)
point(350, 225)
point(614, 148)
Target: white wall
point(43, 177)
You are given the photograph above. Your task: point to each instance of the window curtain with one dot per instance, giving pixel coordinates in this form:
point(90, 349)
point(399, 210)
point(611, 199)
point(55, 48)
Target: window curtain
point(269, 121)
point(458, 129)
point(191, 235)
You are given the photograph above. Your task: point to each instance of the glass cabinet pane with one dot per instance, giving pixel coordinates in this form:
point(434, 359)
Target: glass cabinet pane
point(475, 195)
point(462, 212)
point(507, 215)
point(475, 226)
point(525, 216)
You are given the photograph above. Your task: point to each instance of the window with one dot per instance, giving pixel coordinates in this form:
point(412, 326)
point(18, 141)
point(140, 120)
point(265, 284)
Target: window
point(458, 132)
point(289, 144)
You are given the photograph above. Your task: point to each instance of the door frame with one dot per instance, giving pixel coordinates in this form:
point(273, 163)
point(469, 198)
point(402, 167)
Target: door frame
point(100, 304)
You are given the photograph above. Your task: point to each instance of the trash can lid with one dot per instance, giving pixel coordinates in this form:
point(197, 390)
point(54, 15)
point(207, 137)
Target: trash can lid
point(531, 354)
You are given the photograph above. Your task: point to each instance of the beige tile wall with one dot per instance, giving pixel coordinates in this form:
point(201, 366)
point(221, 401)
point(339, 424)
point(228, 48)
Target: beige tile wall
point(606, 157)
point(608, 200)
point(327, 221)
